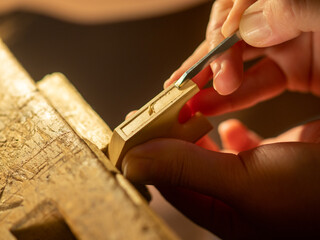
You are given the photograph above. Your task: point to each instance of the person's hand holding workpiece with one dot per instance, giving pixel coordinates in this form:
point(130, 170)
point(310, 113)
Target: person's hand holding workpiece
point(264, 188)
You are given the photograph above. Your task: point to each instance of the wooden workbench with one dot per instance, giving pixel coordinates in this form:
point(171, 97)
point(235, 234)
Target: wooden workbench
point(55, 180)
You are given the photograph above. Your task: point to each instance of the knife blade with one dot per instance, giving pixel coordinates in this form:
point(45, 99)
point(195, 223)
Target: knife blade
point(210, 57)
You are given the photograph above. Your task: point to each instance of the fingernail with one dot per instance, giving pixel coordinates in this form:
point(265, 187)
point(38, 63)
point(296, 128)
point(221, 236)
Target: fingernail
point(137, 169)
point(223, 127)
point(172, 75)
point(254, 26)
point(229, 28)
point(130, 114)
point(167, 83)
point(216, 69)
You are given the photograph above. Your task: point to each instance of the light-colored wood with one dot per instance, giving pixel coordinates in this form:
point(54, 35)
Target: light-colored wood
point(158, 118)
point(68, 102)
point(82, 118)
point(75, 110)
point(51, 178)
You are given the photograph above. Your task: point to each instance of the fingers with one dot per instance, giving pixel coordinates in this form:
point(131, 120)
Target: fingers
point(219, 14)
point(315, 72)
point(199, 53)
point(278, 169)
point(275, 186)
point(227, 69)
point(130, 114)
point(308, 133)
point(207, 143)
point(232, 22)
point(296, 64)
point(202, 78)
point(174, 162)
point(270, 22)
point(263, 81)
point(236, 137)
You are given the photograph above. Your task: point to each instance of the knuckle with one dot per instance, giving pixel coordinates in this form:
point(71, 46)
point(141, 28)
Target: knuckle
point(291, 10)
point(219, 13)
point(294, 9)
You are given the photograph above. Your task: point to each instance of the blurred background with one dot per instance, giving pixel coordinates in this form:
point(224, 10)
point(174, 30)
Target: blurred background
point(119, 61)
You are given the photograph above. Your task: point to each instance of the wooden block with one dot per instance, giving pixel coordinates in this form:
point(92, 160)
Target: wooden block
point(65, 98)
point(82, 118)
point(158, 118)
point(50, 177)
point(43, 222)
point(74, 109)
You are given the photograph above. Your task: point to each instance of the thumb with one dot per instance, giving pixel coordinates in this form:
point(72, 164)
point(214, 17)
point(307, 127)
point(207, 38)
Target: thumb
point(172, 162)
point(276, 174)
point(270, 22)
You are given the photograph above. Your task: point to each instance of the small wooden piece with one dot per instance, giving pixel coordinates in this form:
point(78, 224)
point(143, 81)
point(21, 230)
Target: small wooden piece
point(158, 118)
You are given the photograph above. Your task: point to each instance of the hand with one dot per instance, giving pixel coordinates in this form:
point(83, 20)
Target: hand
point(267, 192)
point(291, 63)
point(259, 190)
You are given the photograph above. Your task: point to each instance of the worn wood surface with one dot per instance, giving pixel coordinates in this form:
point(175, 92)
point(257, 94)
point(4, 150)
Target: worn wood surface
point(158, 118)
point(75, 110)
point(81, 117)
point(52, 182)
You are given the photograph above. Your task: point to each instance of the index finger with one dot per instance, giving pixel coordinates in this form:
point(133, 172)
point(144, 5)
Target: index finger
point(263, 81)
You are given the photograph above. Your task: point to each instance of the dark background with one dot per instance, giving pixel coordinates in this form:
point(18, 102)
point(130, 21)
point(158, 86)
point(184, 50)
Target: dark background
point(117, 67)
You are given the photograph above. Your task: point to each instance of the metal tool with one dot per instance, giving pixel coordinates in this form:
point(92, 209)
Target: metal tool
point(206, 60)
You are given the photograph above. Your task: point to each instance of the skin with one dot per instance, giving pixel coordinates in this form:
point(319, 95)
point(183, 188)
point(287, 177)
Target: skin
point(96, 11)
point(254, 188)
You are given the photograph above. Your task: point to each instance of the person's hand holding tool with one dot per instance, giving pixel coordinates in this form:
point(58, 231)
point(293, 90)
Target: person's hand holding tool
point(264, 188)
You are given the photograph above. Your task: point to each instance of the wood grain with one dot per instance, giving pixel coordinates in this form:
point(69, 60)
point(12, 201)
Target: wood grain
point(158, 119)
point(75, 110)
point(44, 164)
